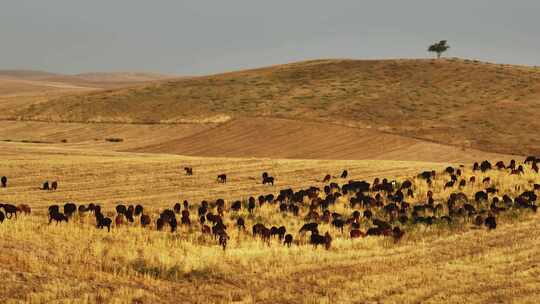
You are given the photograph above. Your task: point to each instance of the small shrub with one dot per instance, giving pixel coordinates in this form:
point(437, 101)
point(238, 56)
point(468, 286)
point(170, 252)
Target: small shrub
point(114, 139)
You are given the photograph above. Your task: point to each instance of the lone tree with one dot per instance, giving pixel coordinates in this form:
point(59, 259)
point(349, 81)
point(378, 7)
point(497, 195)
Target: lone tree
point(439, 48)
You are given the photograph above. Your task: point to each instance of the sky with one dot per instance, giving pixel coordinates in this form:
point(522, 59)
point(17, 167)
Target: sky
point(203, 37)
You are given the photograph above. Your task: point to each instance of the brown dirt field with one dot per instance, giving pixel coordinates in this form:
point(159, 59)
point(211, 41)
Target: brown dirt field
point(94, 135)
point(244, 138)
point(283, 138)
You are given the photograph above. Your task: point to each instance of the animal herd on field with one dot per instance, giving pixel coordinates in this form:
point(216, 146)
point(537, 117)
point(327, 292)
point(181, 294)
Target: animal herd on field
point(383, 207)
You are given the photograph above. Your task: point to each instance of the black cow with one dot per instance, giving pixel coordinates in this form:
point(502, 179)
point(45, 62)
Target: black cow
point(222, 178)
point(10, 210)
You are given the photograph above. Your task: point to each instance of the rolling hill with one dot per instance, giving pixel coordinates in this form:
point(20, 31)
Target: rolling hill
point(463, 103)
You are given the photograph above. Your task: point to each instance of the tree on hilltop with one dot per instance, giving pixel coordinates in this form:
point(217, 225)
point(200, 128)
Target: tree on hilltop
point(439, 48)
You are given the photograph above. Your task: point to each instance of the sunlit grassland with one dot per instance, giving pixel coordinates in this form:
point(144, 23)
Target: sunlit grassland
point(77, 263)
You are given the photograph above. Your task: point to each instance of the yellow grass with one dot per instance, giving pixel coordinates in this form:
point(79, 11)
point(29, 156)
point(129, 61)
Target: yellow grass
point(76, 263)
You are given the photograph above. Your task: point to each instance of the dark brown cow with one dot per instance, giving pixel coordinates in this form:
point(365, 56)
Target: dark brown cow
point(326, 178)
point(23, 208)
point(356, 233)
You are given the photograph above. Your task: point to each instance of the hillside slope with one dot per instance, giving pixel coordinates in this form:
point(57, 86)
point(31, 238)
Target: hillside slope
point(282, 138)
point(460, 102)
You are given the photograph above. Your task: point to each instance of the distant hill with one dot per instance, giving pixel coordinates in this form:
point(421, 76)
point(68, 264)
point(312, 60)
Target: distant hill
point(25, 82)
point(452, 101)
point(27, 74)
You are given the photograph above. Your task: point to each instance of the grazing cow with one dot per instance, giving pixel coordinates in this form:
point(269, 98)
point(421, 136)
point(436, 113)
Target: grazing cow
point(406, 185)
point(169, 217)
point(218, 229)
point(185, 218)
point(145, 220)
point(45, 186)
point(129, 214)
point(490, 222)
point(240, 223)
point(427, 175)
point(139, 210)
point(177, 208)
point(236, 206)
point(485, 166)
point(381, 224)
point(103, 221)
point(121, 209)
point(397, 234)
point(159, 224)
point(449, 184)
point(24, 209)
point(288, 240)
point(462, 183)
point(478, 220)
point(268, 180)
point(480, 196)
point(223, 238)
point(10, 210)
point(69, 209)
point(82, 209)
point(4, 180)
point(281, 232)
point(189, 171)
point(356, 233)
point(257, 229)
point(338, 223)
point(376, 231)
point(222, 178)
point(119, 220)
point(326, 178)
point(251, 204)
point(344, 174)
point(531, 159)
point(54, 186)
point(58, 217)
point(54, 209)
point(206, 229)
point(317, 239)
point(309, 227)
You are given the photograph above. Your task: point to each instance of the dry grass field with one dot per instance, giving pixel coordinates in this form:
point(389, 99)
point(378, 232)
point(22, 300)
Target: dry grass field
point(114, 138)
point(77, 263)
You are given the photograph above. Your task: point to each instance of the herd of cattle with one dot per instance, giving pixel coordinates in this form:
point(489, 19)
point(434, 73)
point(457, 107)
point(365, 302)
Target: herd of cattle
point(381, 207)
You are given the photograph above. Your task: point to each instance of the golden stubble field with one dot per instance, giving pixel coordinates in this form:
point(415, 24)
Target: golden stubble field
point(76, 263)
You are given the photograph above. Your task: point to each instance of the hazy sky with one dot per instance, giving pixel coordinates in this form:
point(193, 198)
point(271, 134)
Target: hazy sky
point(202, 36)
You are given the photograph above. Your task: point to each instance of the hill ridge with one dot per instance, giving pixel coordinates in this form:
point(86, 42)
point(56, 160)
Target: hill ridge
point(463, 103)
